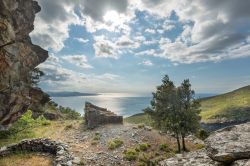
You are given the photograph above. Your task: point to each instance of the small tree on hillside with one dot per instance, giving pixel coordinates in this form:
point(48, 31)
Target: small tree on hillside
point(175, 110)
point(164, 111)
point(189, 111)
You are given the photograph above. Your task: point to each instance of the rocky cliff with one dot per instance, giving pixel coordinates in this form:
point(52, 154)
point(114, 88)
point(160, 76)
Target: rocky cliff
point(18, 58)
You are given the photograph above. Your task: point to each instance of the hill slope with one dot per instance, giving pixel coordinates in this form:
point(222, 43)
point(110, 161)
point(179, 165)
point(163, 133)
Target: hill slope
point(228, 107)
point(232, 106)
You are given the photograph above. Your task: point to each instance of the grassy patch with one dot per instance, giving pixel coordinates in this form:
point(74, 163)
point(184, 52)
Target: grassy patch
point(139, 119)
point(130, 154)
point(27, 159)
point(164, 147)
point(234, 105)
point(143, 146)
point(53, 131)
point(113, 144)
point(96, 139)
point(67, 127)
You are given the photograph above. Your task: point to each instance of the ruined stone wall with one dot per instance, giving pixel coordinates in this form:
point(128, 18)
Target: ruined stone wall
point(18, 58)
point(95, 116)
point(58, 149)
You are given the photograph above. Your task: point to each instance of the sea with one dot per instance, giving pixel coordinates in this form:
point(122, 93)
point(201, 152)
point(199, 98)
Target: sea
point(123, 104)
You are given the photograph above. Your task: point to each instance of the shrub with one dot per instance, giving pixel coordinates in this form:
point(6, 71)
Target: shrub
point(69, 113)
point(112, 144)
point(199, 146)
point(141, 126)
point(67, 127)
point(24, 125)
point(202, 134)
point(82, 162)
point(146, 159)
point(96, 139)
point(43, 121)
point(143, 146)
point(130, 154)
point(164, 147)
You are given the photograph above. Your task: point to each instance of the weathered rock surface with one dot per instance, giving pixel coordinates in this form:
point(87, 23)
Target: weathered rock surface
point(95, 116)
point(229, 144)
point(60, 150)
point(198, 158)
point(18, 58)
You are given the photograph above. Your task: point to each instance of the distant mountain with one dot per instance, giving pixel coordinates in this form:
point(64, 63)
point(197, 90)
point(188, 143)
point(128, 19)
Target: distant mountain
point(228, 107)
point(70, 94)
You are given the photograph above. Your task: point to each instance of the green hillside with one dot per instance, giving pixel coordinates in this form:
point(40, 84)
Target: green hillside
point(232, 106)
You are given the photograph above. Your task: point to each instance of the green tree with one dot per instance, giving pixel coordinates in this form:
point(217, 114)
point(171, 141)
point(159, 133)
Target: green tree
point(189, 111)
point(175, 110)
point(164, 109)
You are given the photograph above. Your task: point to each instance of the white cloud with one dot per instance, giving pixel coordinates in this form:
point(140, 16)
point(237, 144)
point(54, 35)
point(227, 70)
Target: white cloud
point(149, 52)
point(79, 60)
point(52, 23)
point(217, 28)
point(146, 63)
point(58, 78)
point(148, 30)
point(213, 30)
point(104, 48)
point(168, 27)
point(82, 40)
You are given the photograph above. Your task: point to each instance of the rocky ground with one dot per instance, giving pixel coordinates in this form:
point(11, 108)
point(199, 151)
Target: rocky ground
point(96, 152)
point(228, 146)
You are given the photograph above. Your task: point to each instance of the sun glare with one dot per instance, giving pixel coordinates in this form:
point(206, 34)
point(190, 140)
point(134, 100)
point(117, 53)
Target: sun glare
point(112, 17)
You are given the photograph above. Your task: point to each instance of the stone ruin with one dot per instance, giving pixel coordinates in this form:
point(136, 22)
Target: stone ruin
point(59, 150)
point(95, 116)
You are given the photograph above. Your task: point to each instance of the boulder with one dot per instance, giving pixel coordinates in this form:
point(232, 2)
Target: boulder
point(229, 144)
point(18, 58)
point(95, 116)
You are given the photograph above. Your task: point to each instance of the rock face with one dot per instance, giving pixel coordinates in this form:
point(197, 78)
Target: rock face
point(60, 150)
point(229, 144)
point(95, 116)
point(18, 58)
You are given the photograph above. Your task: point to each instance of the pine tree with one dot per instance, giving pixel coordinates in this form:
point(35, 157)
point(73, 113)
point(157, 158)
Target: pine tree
point(175, 110)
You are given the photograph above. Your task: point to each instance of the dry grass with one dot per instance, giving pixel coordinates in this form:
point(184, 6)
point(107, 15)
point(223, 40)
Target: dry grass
point(53, 131)
point(26, 160)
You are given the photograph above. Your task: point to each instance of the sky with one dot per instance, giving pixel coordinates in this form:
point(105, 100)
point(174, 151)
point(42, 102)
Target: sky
point(129, 45)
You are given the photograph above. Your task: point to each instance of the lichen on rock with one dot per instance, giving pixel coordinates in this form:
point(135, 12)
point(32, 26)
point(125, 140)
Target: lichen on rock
point(18, 58)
